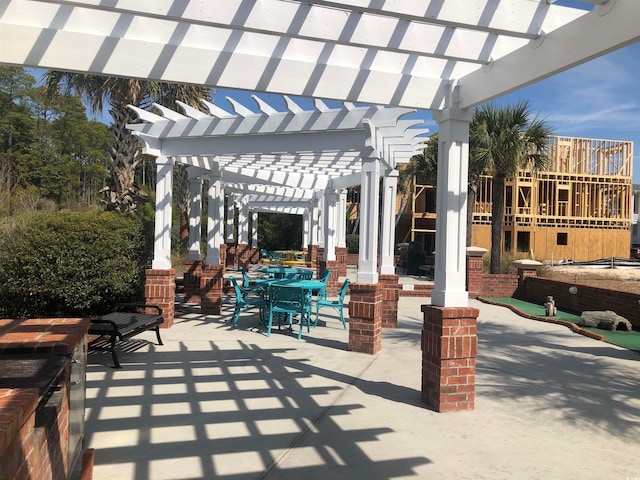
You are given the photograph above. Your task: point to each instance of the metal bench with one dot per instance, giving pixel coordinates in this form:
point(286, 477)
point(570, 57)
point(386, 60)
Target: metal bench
point(125, 321)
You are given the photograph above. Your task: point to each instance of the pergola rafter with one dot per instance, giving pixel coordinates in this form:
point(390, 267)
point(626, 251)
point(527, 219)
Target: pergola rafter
point(299, 149)
point(408, 53)
point(281, 161)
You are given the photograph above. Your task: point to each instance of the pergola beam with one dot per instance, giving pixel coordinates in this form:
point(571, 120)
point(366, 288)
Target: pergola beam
point(610, 26)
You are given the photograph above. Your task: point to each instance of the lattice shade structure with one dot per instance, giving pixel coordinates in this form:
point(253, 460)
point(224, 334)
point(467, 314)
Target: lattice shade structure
point(444, 56)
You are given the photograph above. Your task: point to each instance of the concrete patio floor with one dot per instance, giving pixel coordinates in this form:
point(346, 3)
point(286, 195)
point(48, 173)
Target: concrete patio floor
point(236, 404)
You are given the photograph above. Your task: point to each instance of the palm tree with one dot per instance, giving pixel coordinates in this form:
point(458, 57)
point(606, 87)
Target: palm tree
point(507, 139)
point(423, 168)
point(420, 170)
point(99, 91)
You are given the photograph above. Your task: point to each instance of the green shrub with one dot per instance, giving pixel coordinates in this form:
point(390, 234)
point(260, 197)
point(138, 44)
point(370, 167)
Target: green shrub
point(353, 243)
point(70, 263)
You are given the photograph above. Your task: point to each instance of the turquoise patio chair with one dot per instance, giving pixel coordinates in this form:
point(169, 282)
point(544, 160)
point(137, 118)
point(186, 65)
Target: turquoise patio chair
point(244, 303)
point(289, 300)
point(248, 287)
point(324, 278)
point(324, 302)
point(304, 275)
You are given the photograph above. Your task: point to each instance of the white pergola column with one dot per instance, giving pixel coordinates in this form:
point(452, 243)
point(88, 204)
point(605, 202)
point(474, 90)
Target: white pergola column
point(387, 235)
point(231, 219)
point(369, 209)
point(254, 229)
point(315, 224)
point(306, 228)
point(243, 222)
point(330, 201)
point(164, 188)
point(321, 221)
point(195, 214)
point(451, 200)
point(215, 217)
point(342, 219)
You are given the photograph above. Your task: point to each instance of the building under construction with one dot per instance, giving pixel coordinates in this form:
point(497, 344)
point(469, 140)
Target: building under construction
point(580, 208)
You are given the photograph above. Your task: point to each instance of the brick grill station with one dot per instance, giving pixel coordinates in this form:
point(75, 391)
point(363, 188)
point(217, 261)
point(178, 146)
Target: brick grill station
point(38, 432)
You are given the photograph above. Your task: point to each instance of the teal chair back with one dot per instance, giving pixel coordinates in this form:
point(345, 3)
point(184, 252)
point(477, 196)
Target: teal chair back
point(243, 303)
point(289, 301)
point(337, 304)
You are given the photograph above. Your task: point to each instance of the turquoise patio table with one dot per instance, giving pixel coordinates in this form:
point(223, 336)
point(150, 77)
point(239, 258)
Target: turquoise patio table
point(308, 286)
point(274, 270)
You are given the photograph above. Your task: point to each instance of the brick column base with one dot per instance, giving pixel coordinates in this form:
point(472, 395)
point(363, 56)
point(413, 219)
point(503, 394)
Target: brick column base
point(390, 298)
point(230, 255)
point(341, 259)
point(312, 254)
point(223, 257)
point(333, 283)
point(160, 289)
point(192, 274)
point(255, 255)
point(243, 255)
point(365, 317)
point(474, 276)
point(449, 349)
point(211, 289)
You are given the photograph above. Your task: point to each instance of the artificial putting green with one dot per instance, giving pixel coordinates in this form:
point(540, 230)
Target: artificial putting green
point(630, 340)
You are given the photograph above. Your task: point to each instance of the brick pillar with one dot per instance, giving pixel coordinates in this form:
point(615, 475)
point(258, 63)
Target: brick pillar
point(365, 317)
point(526, 268)
point(312, 254)
point(230, 257)
point(192, 274)
point(341, 259)
point(449, 349)
point(524, 273)
point(474, 270)
point(160, 289)
point(390, 298)
point(255, 255)
point(211, 289)
point(243, 255)
point(223, 257)
point(333, 283)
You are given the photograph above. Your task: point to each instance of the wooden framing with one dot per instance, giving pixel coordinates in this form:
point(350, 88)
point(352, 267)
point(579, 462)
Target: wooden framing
point(580, 208)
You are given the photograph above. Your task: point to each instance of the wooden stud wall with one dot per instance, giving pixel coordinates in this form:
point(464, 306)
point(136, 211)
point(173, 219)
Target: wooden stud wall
point(583, 200)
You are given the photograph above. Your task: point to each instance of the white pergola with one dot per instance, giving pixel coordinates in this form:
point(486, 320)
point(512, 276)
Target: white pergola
point(446, 56)
point(282, 161)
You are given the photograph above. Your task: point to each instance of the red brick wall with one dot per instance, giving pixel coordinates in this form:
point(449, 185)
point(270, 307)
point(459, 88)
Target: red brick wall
point(474, 275)
point(536, 290)
point(497, 285)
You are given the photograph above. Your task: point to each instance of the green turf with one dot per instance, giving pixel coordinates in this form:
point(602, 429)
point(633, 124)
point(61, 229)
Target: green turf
point(630, 340)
